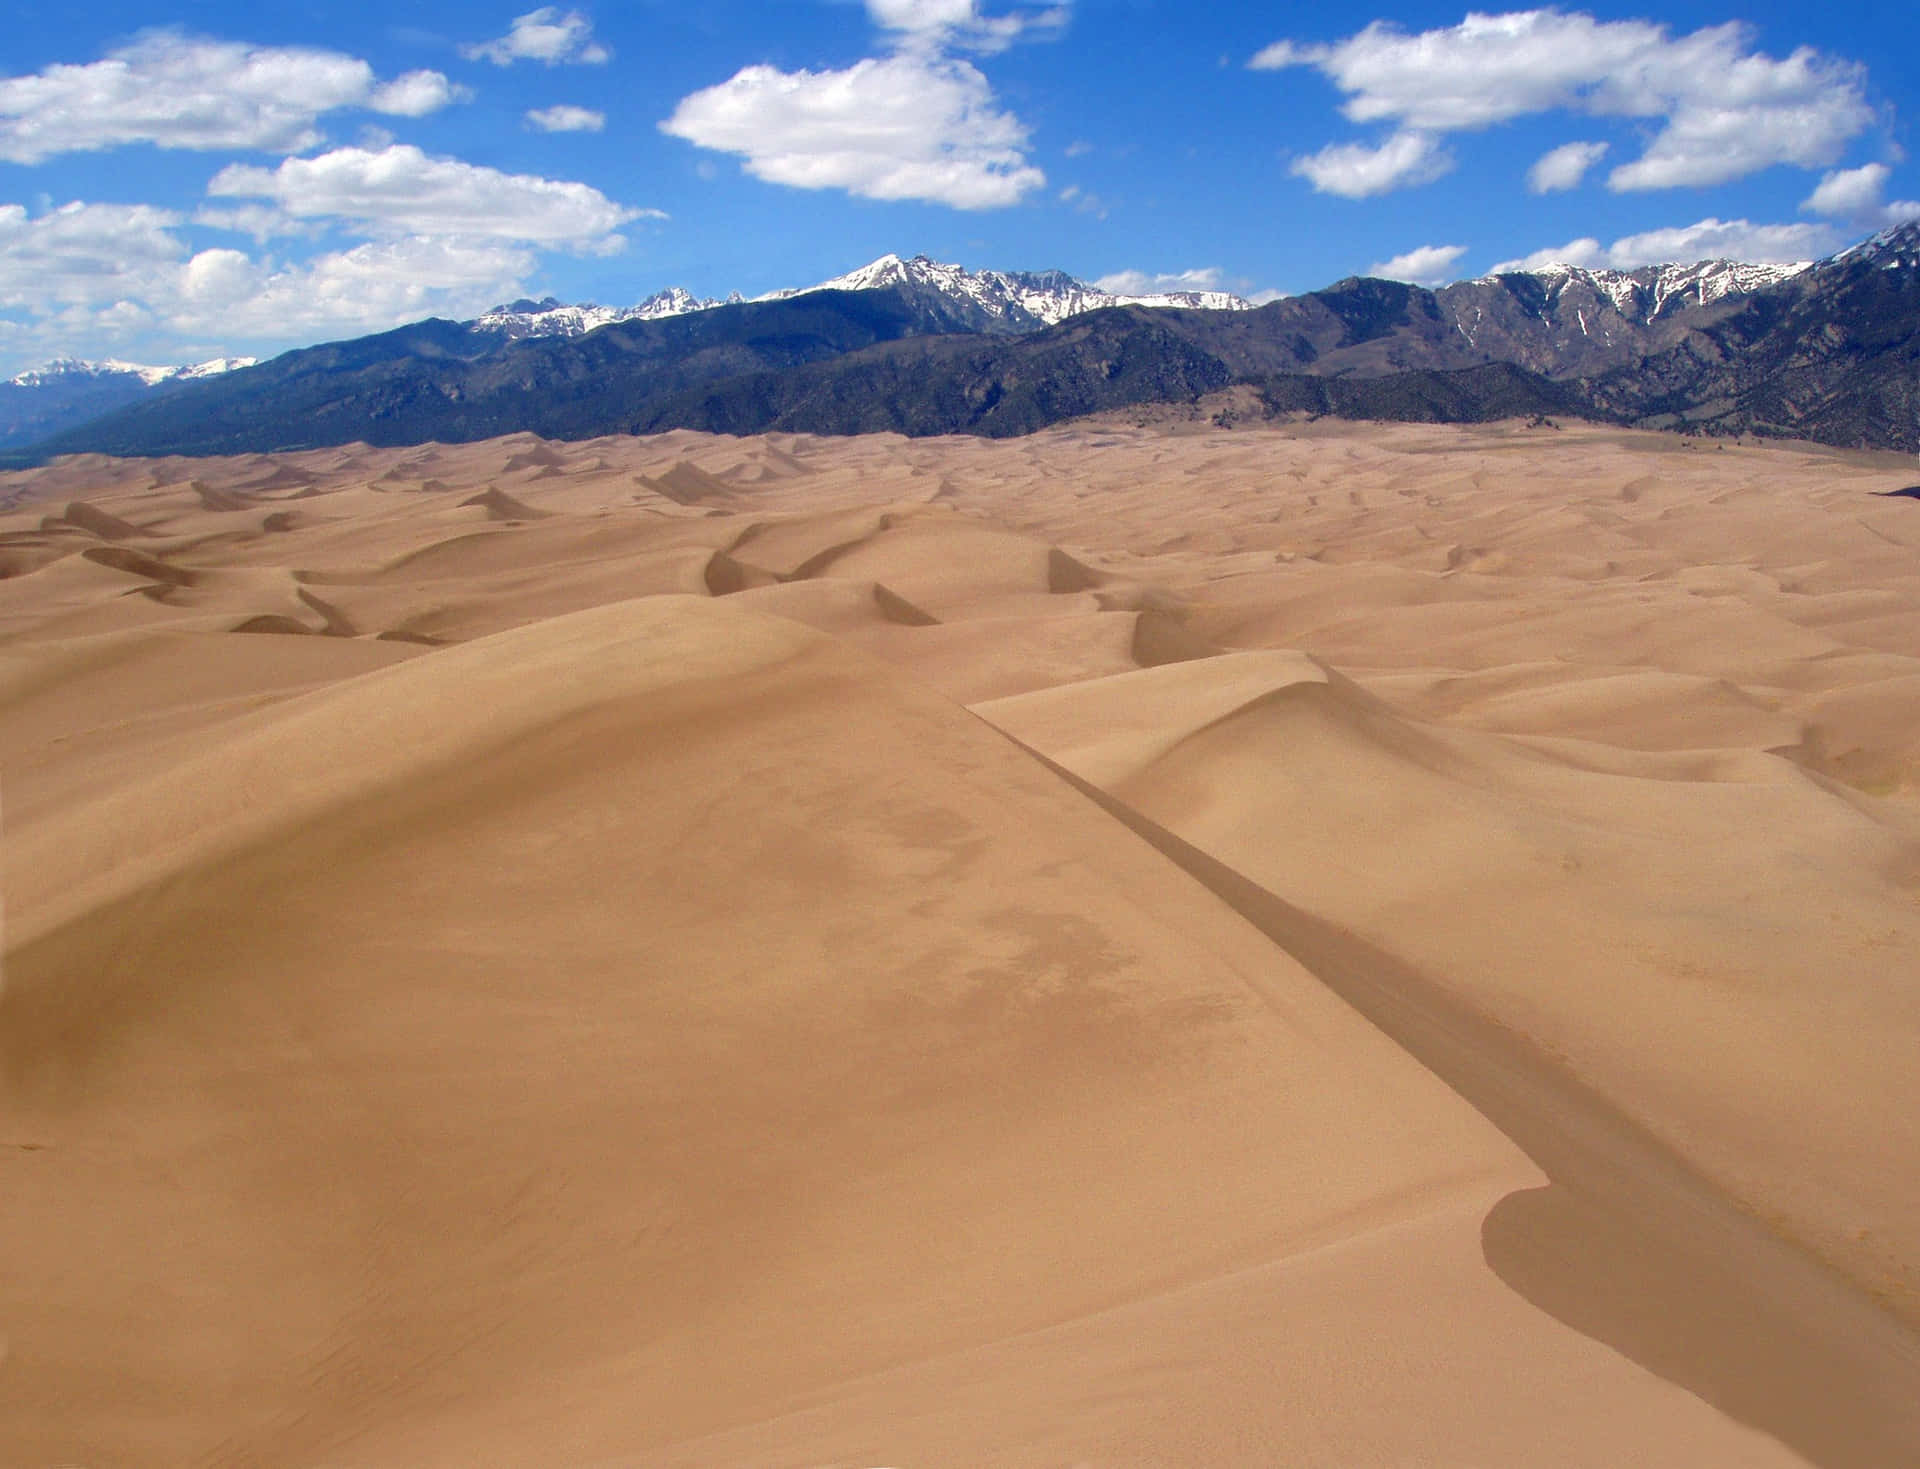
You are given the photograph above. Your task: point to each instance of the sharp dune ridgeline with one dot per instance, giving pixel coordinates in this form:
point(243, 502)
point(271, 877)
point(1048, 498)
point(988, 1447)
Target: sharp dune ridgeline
point(1320, 945)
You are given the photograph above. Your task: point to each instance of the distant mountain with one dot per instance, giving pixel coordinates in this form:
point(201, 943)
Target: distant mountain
point(45, 400)
point(986, 301)
point(551, 318)
point(1828, 350)
point(453, 381)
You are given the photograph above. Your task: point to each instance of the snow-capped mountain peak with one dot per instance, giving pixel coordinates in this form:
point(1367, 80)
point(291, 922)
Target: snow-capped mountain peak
point(1018, 299)
point(552, 318)
point(984, 299)
point(75, 369)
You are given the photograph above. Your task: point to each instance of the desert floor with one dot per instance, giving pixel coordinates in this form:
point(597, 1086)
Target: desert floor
point(1316, 945)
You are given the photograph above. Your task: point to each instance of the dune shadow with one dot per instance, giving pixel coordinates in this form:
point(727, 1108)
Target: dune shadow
point(1775, 1349)
point(1627, 1244)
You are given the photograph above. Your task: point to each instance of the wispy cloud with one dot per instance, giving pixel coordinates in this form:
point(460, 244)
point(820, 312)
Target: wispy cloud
point(1357, 171)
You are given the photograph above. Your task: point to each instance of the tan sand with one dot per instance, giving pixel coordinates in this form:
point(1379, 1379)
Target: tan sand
point(1319, 946)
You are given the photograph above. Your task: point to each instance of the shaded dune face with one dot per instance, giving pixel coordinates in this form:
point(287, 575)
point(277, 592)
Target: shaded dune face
point(1378, 947)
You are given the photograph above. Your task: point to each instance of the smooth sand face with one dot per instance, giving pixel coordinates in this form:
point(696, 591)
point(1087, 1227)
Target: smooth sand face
point(1318, 946)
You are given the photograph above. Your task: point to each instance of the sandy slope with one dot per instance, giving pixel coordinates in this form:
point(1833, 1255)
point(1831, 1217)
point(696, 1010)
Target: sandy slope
point(1327, 946)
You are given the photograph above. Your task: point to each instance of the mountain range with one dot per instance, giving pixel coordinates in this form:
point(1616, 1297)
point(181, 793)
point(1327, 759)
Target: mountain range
point(1826, 350)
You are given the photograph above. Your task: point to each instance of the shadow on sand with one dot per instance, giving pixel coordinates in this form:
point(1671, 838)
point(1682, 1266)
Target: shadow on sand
point(1627, 1244)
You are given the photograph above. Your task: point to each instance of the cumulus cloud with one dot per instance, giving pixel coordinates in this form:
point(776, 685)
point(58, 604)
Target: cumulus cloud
point(1356, 171)
point(566, 119)
point(1428, 265)
point(1563, 167)
point(1147, 283)
point(262, 221)
point(1857, 196)
point(178, 91)
point(547, 35)
point(400, 190)
point(82, 278)
point(370, 287)
point(86, 255)
point(906, 126)
point(416, 94)
point(919, 123)
point(1708, 239)
point(1723, 109)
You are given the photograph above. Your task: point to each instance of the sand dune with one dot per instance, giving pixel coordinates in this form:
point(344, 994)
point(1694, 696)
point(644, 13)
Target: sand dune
point(1337, 946)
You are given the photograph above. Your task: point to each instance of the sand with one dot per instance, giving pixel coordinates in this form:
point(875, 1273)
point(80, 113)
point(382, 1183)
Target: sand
point(1142, 945)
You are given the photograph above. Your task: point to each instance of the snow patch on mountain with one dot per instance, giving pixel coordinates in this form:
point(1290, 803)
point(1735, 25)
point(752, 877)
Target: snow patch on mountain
point(1897, 248)
point(552, 318)
point(1018, 298)
point(1648, 293)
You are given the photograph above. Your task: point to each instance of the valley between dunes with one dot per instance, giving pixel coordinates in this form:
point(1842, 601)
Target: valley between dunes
point(1317, 945)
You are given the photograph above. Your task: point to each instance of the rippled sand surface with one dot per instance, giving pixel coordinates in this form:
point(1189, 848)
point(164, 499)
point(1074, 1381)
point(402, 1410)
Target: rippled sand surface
point(1143, 945)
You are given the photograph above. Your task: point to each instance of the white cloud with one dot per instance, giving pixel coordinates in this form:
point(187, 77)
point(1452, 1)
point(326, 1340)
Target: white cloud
point(1733, 239)
point(548, 35)
point(1708, 239)
point(1084, 202)
point(1146, 283)
point(1428, 265)
point(1355, 171)
point(179, 91)
point(416, 94)
point(1850, 192)
point(92, 279)
point(1725, 110)
point(85, 255)
point(1857, 195)
point(401, 191)
point(566, 119)
point(946, 23)
point(907, 126)
point(262, 221)
point(1563, 167)
point(370, 287)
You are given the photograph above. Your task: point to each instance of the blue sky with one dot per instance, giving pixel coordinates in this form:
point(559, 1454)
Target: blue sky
point(179, 182)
